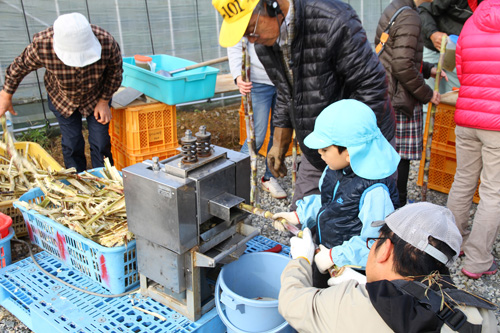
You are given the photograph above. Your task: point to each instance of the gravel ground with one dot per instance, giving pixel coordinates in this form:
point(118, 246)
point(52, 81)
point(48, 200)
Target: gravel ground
point(487, 286)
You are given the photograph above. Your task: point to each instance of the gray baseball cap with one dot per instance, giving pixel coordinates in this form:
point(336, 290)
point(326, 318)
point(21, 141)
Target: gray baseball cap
point(414, 223)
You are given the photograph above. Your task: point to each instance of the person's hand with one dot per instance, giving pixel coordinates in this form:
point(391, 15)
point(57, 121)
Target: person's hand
point(276, 161)
point(290, 217)
point(302, 247)
point(6, 103)
point(436, 98)
point(102, 113)
point(276, 155)
point(347, 274)
point(245, 87)
point(436, 39)
point(443, 74)
point(323, 259)
point(278, 226)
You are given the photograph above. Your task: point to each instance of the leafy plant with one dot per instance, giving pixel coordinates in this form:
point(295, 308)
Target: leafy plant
point(40, 135)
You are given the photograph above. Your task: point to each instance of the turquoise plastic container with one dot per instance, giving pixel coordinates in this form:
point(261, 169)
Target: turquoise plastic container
point(241, 283)
point(186, 86)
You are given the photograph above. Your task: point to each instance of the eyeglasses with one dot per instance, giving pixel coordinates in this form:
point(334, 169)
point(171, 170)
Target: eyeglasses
point(253, 34)
point(371, 240)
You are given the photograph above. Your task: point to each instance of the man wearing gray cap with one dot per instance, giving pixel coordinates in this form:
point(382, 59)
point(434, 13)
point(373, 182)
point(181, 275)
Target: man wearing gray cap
point(83, 66)
point(407, 289)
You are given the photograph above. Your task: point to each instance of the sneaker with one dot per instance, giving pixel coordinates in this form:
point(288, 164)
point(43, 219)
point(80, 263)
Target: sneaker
point(492, 270)
point(273, 188)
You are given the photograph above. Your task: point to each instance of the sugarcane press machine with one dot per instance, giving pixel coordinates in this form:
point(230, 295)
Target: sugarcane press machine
point(183, 212)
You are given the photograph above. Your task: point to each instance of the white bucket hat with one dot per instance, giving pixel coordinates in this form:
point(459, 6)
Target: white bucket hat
point(74, 41)
point(352, 124)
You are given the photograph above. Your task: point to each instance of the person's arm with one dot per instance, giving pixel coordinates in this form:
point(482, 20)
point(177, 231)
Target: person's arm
point(309, 206)
point(405, 35)
point(112, 73)
point(234, 54)
point(429, 14)
point(24, 64)
point(458, 58)
point(376, 205)
point(112, 80)
point(309, 309)
point(307, 210)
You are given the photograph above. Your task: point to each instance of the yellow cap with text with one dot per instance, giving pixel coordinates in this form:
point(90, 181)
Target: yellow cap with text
point(236, 15)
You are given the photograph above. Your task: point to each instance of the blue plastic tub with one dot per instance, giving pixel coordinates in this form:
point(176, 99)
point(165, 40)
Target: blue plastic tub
point(114, 268)
point(185, 86)
point(249, 288)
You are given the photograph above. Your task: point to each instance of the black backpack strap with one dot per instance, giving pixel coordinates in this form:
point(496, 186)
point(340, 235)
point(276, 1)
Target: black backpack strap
point(449, 315)
point(385, 35)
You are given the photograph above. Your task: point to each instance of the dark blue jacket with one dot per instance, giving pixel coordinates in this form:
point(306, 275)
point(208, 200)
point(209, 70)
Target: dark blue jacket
point(337, 220)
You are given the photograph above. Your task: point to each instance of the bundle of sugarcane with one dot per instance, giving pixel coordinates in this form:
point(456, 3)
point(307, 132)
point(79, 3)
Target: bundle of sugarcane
point(247, 103)
point(90, 205)
point(17, 172)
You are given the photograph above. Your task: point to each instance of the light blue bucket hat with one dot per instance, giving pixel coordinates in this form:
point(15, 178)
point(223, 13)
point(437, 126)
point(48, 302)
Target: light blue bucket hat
point(352, 124)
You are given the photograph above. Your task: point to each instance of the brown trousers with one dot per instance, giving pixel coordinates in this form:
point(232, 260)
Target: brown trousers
point(478, 156)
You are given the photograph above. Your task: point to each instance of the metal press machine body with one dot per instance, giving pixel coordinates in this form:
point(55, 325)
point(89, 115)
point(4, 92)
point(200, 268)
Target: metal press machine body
point(183, 213)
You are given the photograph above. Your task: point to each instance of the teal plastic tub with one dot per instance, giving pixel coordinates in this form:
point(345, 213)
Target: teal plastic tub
point(186, 86)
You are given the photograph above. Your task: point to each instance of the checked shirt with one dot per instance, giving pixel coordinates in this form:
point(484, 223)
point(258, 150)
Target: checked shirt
point(69, 88)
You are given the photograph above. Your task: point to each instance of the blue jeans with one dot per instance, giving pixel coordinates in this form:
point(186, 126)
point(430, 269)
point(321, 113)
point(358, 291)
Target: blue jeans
point(263, 102)
point(73, 143)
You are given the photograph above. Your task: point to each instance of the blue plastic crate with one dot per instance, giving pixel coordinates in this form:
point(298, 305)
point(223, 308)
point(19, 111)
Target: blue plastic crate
point(47, 306)
point(114, 268)
point(5, 254)
point(185, 86)
point(261, 243)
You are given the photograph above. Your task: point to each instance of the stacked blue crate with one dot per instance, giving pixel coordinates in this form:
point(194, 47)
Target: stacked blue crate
point(48, 306)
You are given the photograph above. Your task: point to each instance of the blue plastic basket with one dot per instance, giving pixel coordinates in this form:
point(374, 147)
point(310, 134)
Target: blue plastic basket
point(114, 268)
point(5, 254)
point(185, 86)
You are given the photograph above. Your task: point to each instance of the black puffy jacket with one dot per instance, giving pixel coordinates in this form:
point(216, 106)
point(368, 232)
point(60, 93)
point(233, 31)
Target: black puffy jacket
point(331, 60)
point(447, 16)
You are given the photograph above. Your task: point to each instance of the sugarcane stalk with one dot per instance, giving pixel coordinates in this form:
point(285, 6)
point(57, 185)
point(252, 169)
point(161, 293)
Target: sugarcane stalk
point(294, 161)
point(247, 103)
point(430, 125)
point(269, 215)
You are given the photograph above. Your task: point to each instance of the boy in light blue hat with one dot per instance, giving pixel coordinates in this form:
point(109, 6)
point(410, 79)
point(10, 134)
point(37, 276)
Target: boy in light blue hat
point(356, 188)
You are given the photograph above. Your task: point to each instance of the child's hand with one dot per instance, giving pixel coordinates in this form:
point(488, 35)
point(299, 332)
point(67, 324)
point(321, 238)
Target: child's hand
point(323, 259)
point(290, 217)
point(302, 247)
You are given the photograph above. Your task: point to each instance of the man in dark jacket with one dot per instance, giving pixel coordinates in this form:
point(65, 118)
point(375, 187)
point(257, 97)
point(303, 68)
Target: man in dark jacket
point(442, 17)
point(316, 52)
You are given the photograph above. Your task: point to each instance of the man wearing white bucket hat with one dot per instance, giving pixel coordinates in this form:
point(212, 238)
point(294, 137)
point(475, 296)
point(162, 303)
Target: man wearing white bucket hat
point(356, 187)
point(83, 70)
point(407, 287)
